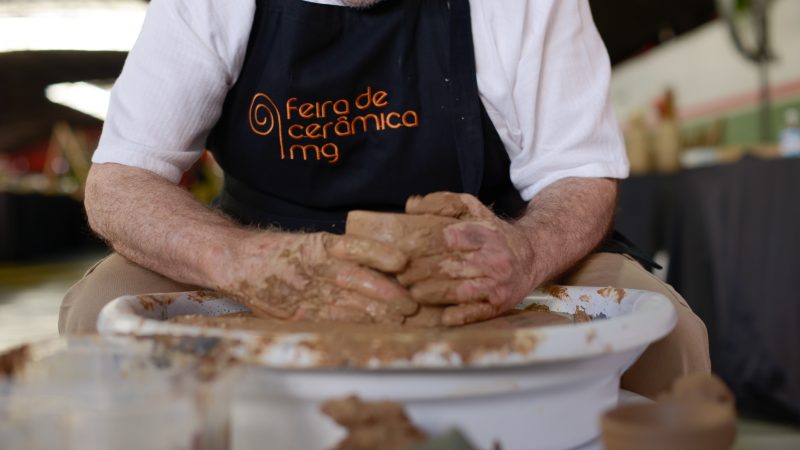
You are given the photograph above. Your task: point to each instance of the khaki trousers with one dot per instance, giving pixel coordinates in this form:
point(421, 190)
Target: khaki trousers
point(683, 351)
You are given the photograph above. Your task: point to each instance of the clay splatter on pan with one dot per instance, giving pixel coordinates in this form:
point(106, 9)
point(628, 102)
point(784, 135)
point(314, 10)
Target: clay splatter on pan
point(611, 292)
point(591, 336)
point(581, 316)
point(149, 302)
point(202, 296)
point(342, 344)
point(559, 292)
point(585, 298)
point(13, 361)
point(537, 307)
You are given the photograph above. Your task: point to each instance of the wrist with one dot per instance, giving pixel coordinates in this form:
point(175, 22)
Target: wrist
point(222, 258)
point(532, 259)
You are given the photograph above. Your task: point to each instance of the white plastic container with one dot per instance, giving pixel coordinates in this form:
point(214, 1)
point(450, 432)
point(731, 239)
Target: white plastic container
point(544, 396)
point(122, 394)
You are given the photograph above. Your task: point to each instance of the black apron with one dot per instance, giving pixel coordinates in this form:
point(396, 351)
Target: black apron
point(339, 108)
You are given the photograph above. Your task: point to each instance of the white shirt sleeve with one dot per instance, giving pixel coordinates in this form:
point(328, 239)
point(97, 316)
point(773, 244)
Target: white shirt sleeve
point(173, 84)
point(543, 75)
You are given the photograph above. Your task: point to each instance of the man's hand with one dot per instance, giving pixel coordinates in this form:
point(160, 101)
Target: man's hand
point(487, 267)
point(489, 264)
point(312, 276)
point(317, 276)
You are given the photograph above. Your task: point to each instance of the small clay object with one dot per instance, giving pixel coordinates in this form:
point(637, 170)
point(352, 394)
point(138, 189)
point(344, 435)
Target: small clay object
point(581, 316)
point(379, 425)
point(669, 425)
point(697, 414)
point(12, 362)
point(415, 235)
point(701, 387)
point(421, 238)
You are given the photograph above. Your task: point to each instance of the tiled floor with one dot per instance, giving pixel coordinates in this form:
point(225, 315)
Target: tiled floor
point(30, 296)
point(758, 435)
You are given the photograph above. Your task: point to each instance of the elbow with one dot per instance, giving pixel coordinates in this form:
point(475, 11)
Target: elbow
point(95, 195)
point(612, 189)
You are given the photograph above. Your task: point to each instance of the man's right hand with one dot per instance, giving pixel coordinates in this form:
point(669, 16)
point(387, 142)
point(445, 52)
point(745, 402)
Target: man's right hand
point(317, 276)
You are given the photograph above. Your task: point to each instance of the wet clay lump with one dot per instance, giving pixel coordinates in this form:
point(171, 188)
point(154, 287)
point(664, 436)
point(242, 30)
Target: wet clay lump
point(420, 237)
point(380, 425)
point(697, 414)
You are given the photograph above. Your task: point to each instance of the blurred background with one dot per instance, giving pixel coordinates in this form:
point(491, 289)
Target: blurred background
point(707, 92)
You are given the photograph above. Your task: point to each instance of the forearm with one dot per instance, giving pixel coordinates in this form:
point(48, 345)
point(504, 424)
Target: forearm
point(565, 222)
point(159, 225)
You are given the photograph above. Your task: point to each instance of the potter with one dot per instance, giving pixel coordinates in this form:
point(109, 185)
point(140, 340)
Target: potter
point(456, 109)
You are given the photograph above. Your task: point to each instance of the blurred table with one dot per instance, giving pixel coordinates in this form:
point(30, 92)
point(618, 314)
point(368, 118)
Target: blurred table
point(35, 226)
point(733, 236)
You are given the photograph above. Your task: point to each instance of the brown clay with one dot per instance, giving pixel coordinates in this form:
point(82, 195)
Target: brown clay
point(429, 317)
point(617, 294)
point(701, 387)
point(421, 238)
point(669, 425)
point(319, 276)
point(415, 235)
point(352, 344)
point(373, 425)
point(559, 292)
point(581, 316)
point(697, 414)
point(431, 267)
point(13, 361)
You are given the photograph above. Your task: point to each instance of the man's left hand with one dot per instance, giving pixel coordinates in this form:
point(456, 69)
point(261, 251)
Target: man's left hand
point(486, 268)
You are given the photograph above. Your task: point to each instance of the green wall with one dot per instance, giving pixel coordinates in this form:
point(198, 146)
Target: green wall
point(742, 127)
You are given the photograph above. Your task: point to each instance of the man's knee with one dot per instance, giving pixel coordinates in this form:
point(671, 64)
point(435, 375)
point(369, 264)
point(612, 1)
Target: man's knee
point(111, 278)
point(684, 350)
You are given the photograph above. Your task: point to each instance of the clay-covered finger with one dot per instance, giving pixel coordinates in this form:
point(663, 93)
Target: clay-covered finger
point(449, 204)
point(468, 313)
point(450, 292)
point(450, 265)
point(424, 268)
point(425, 241)
point(367, 252)
point(426, 317)
point(373, 285)
point(345, 314)
point(377, 311)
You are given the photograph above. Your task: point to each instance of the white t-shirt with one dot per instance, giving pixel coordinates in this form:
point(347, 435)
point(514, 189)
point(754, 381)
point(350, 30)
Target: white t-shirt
point(543, 76)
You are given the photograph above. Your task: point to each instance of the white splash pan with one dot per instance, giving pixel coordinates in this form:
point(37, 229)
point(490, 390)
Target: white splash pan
point(546, 396)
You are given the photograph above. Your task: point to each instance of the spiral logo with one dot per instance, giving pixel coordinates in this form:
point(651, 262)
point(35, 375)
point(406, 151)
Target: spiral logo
point(264, 116)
